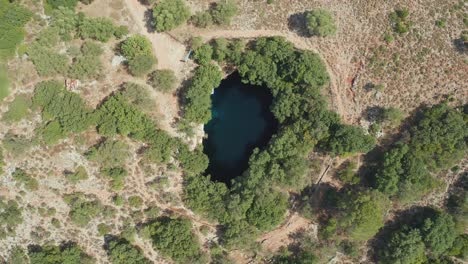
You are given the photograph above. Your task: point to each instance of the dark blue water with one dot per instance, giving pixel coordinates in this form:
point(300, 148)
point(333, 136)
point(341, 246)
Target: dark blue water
point(241, 121)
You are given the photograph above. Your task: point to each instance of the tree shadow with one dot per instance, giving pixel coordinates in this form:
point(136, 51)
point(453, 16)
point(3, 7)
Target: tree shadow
point(297, 24)
point(460, 45)
point(148, 19)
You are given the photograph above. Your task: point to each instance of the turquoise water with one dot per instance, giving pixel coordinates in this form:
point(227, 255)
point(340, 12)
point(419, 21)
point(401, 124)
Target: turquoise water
point(241, 121)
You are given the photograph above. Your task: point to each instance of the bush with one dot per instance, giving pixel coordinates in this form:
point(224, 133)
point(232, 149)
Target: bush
point(363, 214)
point(46, 61)
point(22, 177)
point(136, 45)
point(17, 256)
point(65, 107)
point(349, 139)
point(320, 23)
point(173, 237)
point(203, 54)
point(120, 32)
point(163, 80)
point(399, 20)
point(80, 174)
point(11, 215)
point(223, 12)
point(169, 14)
point(70, 4)
point(135, 201)
point(82, 208)
point(85, 68)
point(348, 174)
point(198, 101)
point(202, 19)
point(117, 176)
point(141, 65)
point(18, 109)
point(138, 95)
point(100, 28)
point(65, 253)
point(220, 49)
point(120, 251)
point(110, 153)
point(13, 18)
point(4, 83)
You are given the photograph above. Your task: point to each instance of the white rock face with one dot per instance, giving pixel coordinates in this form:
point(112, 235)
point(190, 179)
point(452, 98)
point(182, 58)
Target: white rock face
point(117, 60)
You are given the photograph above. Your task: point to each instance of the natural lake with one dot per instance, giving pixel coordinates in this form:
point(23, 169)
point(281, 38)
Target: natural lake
point(241, 121)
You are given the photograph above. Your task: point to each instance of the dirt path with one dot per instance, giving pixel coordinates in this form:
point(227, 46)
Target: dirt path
point(170, 53)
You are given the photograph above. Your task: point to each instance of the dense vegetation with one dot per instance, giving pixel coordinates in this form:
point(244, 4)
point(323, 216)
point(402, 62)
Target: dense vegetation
point(11, 215)
point(66, 253)
point(173, 237)
point(435, 142)
point(122, 252)
point(13, 18)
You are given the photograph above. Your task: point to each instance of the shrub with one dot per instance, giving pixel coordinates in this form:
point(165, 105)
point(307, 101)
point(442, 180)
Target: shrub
point(82, 208)
point(203, 54)
point(399, 20)
point(138, 95)
point(173, 237)
point(15, 145)
point(120, 251)
point(169, 14)
point(163, 80)
point(117, 176)
point(110, 153)
point(13, 17)
point(18, 109)
point(22, 177)
point(348, 175)
point(70, 4)
point(4, 83)
point(80, 174)
point(52, 132)
point(65, 253)
point(320, 23)
point(46, 61)
point(141, 65)
point(85, 68)
point(223, 12)
point(17, 256)
point(220, 49)
point(11, 215)
point(136, 45)
point(92, 49)
point(202, 19)
point(100, 28)
point(198, 102)
point(120, 32)
point(363, 214)
point(349, 139)
point(67, 108)
point(135, 201)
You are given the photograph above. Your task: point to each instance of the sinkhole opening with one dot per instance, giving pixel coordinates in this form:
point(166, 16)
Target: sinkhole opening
point(241, 121)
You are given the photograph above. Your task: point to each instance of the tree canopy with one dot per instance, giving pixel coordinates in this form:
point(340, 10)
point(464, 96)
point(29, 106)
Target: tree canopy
point(169, 14)
point(320, 23)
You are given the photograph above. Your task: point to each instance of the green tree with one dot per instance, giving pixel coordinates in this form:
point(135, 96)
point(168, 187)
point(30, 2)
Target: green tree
point(399, 20)
point(173, 237)
point(405, 246)
point(136, 45)
point(22, 177)
point(66, 253)
point(220, 49)
point(268, 209)
point(46, 61)
point(320, 23)
point(99, 28)
point(363, 214)
point(439, 233)
point(169, 14)
point(82, 209)
point(141, 65)
point(80, 174)
point(163, 80)
point(18, 109)
point(348, 174)
point(109, 153)
point(120, 251)
point(70, 4)
point(223, 12)
point(198, 102)
point(349, 139)
point(17, 256)
point(117, 176)
point(202, 19)
point(203, 54)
